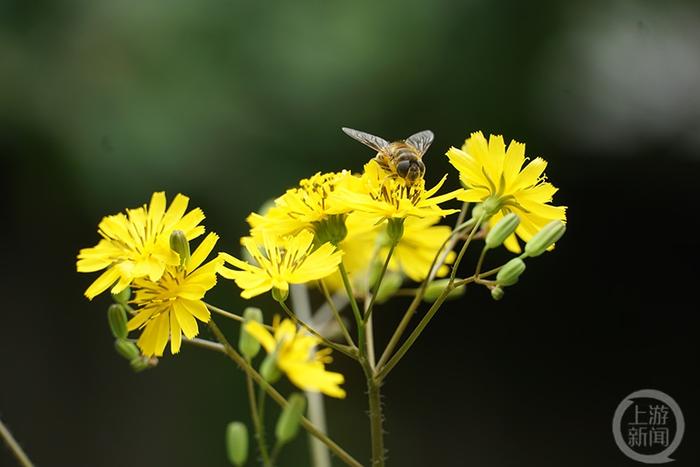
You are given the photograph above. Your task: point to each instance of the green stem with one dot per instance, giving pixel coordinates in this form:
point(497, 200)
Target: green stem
point(336, 314)
point(278, 398)
point(344, 349)
point(403, 324)
point(355, 308)
point(480, 263)
point(14, 446)
point(232, 316)
point(370, 307)
point(257, 422)
point(455, 266)
point(382, 371)
point(376, 418)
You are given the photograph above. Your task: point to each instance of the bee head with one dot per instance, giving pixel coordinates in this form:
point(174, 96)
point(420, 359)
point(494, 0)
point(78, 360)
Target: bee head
point(414, 170)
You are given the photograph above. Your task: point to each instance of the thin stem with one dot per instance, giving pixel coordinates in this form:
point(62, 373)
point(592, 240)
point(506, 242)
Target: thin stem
point(450, 242)
point(14, 446)
point(383, 370)
point(339, 347)
point(480, 263)
point(317, 414)
point(369, 333)
point(455, 266)
point(278, 398)
point(232, 316)
point(275, 452)
point(257, 424)
point(401, 328)
point(370, 307)
point(336, 314)
point(355, 308)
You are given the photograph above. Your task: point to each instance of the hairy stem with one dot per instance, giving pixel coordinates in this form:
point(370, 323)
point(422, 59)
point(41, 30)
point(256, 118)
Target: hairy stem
point(257, 423)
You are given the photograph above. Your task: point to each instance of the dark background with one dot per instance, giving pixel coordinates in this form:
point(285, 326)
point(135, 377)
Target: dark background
point(231, 102)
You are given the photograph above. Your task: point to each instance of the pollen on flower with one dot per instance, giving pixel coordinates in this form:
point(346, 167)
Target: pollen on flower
point(171, 306)
point(498, 178)
point(384, 196)
point(137, 244)
point(280, 262)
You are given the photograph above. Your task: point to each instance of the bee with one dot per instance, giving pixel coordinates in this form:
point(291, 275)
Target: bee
point(401, 158)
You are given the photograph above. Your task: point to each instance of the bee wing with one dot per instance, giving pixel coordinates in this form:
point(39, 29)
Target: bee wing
point(374, 142)
point(421, 140)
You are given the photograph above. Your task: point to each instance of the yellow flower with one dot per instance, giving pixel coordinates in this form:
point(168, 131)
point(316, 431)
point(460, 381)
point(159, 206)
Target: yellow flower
point(169, 306)
point(305, 207)
point(412, 256)
point(137, 244)
point(296, 355)
point(495, 176)
point(282, 261)
point(388, 197)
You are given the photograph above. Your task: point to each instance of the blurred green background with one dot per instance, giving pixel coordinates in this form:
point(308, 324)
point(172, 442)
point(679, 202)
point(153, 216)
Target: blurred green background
point(231, 102)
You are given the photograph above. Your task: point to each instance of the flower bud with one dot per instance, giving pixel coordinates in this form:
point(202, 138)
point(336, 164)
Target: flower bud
point(126, 349)
point(180, 245)
point(394, 230)
point(391, 283)
point(497, 293)
point(269, 370)
point(487, 208)
point(247, 344)
point(123, 296)
point(237, 443)
point(502, 230)
point(139, 364)
point(288, 423)
point(280, 295)
point(545, 238)
point(435, 289)
point(331, 229)
point(510, 272)
point(116, 317)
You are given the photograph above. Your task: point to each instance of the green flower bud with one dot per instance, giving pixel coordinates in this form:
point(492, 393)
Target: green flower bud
point(237, 443)
point(269, 370)
point(247, 344)
point(331, 229)
point(123, 296)
point(487, 208)
point(391, 283)
point(139, 364)
point(435, 289)
point(280, 295)
point(126, 349)
point(545, 238)
point(394, 230)
point(179, 244)
point(288, 423)
point(502, 230)
point(510, 272)
point(497, 293)
point(116, 317)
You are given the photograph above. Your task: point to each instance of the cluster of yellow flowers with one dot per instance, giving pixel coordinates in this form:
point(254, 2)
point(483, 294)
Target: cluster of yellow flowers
point(328, 222)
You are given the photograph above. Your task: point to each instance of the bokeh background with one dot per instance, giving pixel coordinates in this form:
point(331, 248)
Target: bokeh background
point(231, 102)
